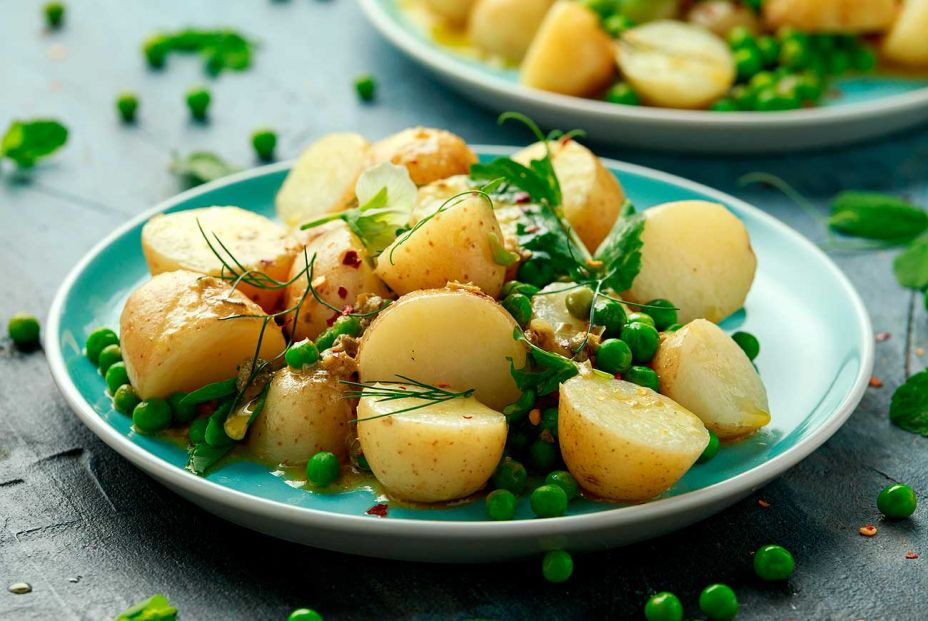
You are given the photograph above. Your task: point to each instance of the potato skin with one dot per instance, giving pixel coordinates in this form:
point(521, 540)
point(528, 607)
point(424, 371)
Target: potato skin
point(704, 370)
point(305, 412)
point(698, 255)
point(174, 242)
point(441, 452)
point(452, 246)
point(428, 154)
point(838, 16)
point(907, 41)
point(625, 442)
point(174, 340)
point(506, 27)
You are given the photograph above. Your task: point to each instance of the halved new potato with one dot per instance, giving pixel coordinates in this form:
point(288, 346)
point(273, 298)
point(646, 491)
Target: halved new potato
point(721, 16)
point(704, 370)
point(458, 243)
point(455, 11)
point(698, 255)
point(428, 154)
point(907, 41)
point(177, 335)
point(304, 412)
point(323, 179)
point(457, 337)
point(174, 242)
point(441, 452)
point(674, 64)
point(571, 54)
point(625, 442)
point(506, 27)
point(837, 16)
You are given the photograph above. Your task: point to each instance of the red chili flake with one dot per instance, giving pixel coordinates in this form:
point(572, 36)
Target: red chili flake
point(352, 258)
point(876, 382)
point(531, 229)
point(522, 197)
point(882, 336)
point(331, 320)
point(380, 510)
point(911, 555)
point(618, 376)
point(763, 504)
point(342, 292)
point(867, 531)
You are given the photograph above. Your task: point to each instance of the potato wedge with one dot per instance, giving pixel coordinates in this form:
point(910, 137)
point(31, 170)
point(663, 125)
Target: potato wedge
point(674, 64)
point(506, 27)
point(430, 336)
point(455, 11)
point(552, 322)
point(445, 451)
point(721, 16)
point(174, 242)
point(174, 338)
point(907, 41)
point(698, 255)
point(592, 195)
point(305, 412)
point(454, 245)
point(837, 16)
point(340, 274)
point(625, 442)
point(428, 154)
point(570, 54)
point(705, 371)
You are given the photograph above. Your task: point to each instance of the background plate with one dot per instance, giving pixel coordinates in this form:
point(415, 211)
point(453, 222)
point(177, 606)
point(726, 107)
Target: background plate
point(817, 357)
point(865, 107)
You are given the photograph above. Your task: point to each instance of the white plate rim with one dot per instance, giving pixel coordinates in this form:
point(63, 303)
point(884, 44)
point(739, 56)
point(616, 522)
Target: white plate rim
point(215, 493)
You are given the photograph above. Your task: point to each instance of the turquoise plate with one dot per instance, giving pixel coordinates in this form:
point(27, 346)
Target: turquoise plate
point(858, 108)
point(819, 314)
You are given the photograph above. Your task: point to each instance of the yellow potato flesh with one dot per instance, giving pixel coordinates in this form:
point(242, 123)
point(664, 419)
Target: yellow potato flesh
point(625, 442)
point(907, 41)
point(455, 11)
point(428, 154)
point(837, 16)
point(506, 27)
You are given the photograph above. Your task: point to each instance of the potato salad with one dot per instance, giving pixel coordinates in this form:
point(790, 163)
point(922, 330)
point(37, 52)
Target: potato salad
point(442, 327)
point(722, 55)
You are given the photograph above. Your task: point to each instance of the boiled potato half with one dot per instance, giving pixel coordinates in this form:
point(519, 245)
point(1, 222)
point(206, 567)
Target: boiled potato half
point(174, 242)
point(625, 442)
point(455, 244)
point(592, 196)
point(428, 154)
point(674, 64)
point(907, 41)
point(323, 179)
point(704, 370)
point(445, 337)
point(571, 54)
point(445, 451)
point(340, 274)
point(721, 16)
point(305, 412)
point(506, 27)
point(837, 16)
point(175, 339)
point(698, 255)
point(455, 11)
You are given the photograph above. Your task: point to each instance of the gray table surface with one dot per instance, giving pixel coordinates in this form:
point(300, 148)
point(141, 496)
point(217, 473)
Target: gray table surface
point(92, 534)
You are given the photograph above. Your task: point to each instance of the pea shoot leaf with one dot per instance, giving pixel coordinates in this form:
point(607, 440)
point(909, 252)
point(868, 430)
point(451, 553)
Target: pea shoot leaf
point(911, 267)
point(155, 608)
point(870, 215)
point(201, 167)
point(620, 252)
point(544, 371)
point(26, 142)
point(909, 406)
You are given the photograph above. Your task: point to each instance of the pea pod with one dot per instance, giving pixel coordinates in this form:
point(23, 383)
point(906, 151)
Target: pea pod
point(876, 216)
point(210, 392)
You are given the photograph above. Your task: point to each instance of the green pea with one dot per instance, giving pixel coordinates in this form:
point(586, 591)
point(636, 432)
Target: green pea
point(754, 5)
point(579, 302)
point(740, 37)
point(152, 415)
point(565, 481)
point(617, 24)
point(198, 100)
point(510, 475)
point(718, 602)
point(788, 33)
point(183, 412)
point(641, 317)
point(549, 501)
point(215, 434)
point(116, 376)
point(519, 306)
point(323, 468)
point(663, 607)
point(724, 105)
point(769, 100)
point(518, 440)
point(518, 410)
point(347, 325)
point(613, 356)
point(301, 354)
point(365, 87)
point(54, 14)
point(549, 421)
point(622, 93)
point(197, 431)
point(156, 50)
point(536, 271)
point(125, 399)
point(748, 62)
point(304, 614)
point(863, 59)
point(514, 286)
point(673, 327)
point(610, 315)
point(748, 343)
point(542, 455)
point(762, 80)
point(794, 54)
point(663, 312)
point(769, 50)
point(110, 355)
point(772, 563)
point(23, 329)
point(897, 501)
point(264, 141)
point(743, 96)
point(97, 340)
point(127, 105)
point(326, 340)
point(810, 86)
point(711, 450)
point(838, 62)
point(557, 566)
point(823, 43)
point(643, 376)
point(642, 339)
point(501, 505)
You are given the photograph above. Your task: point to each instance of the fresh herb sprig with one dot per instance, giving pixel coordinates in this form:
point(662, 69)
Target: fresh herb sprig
point(201, 167)
point(408, 388)
point(26, 142)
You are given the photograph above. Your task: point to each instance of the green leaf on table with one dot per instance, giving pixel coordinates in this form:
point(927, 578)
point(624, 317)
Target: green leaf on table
point(26, 142)
point(871, 215)
point(911, 267)
point(155, 608)
point(909, 407)
point(620, 252)
point(201, 167)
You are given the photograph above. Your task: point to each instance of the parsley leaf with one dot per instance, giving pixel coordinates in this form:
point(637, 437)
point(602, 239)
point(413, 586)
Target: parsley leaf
point(911, 267)
point(620, 252)
point(871, 215)
point(544, 371)
point(201, 167)
point(26, 142)
point(909, 407)
point(155, 608)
